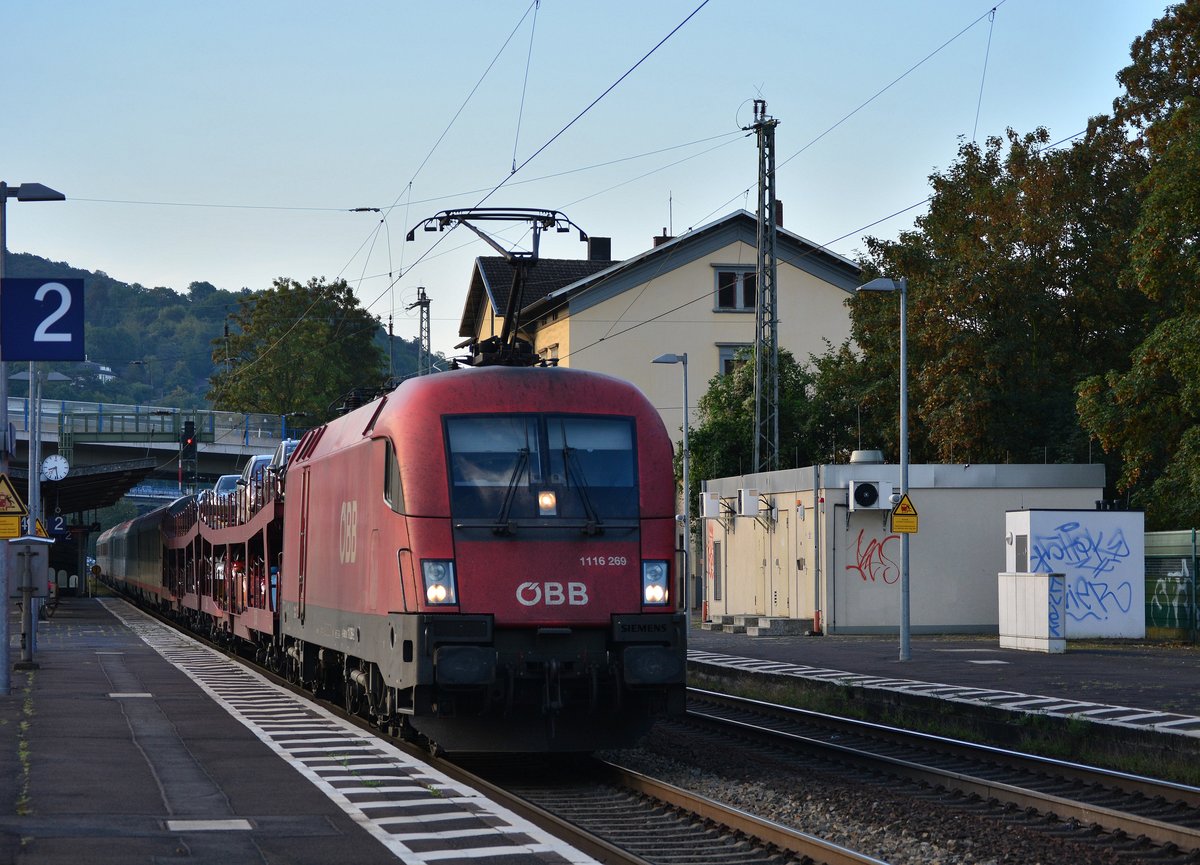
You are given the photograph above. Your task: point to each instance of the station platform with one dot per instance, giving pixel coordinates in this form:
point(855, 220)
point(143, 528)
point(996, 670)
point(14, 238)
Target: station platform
point(132, 744)
point(1139, 685)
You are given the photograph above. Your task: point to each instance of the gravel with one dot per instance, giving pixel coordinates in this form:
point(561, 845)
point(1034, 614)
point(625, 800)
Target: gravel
point(903, 828)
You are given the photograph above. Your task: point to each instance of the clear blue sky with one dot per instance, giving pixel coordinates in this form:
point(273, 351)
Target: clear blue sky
point(225, 141)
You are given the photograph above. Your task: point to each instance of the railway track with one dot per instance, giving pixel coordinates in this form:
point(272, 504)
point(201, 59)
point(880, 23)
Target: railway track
point(649, 820)
point(1124, 806)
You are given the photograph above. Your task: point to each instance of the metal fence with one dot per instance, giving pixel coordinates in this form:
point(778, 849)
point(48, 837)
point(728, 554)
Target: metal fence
point(91, 419)
point(1171, 610)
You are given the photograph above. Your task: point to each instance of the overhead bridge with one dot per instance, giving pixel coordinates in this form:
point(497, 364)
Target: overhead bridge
point(117, 449)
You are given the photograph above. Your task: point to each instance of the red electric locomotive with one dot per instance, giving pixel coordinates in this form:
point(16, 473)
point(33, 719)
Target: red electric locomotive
point(485, 558)
point(482, 559)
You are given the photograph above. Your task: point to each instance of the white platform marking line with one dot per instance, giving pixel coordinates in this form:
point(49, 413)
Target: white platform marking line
point(144, 628)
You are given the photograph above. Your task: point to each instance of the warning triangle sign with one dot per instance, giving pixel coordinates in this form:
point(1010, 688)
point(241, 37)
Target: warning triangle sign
point(40, 530)
point(10, 502)
point(904, 516)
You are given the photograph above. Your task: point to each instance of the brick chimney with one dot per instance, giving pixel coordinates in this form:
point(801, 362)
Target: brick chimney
point(662, 238)
point(599, 248)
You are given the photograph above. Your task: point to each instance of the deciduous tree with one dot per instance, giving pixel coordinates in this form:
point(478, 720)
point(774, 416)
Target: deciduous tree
point(1014, 297)
point(722, 443)
point(1147, 409)
point(296, 348)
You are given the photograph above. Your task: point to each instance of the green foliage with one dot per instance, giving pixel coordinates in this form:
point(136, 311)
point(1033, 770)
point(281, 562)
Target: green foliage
point(722, 443)
point(296, 349)
point(1014, 297)
point(1147, 409)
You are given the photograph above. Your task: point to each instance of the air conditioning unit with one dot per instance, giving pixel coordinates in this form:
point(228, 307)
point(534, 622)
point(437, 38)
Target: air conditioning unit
point(748, 503)
point(870, 496)
point(710, 505)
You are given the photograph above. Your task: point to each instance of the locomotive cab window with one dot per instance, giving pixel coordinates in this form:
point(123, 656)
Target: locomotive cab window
point(573, 469)
point(393, 491)
point(492, 451)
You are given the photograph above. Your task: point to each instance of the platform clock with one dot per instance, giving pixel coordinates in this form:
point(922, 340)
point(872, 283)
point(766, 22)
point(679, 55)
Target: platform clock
point(55, 467)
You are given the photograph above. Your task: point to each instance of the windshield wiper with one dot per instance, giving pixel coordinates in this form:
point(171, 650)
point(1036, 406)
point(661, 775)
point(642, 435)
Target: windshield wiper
point(594, 525)
point(503, 526)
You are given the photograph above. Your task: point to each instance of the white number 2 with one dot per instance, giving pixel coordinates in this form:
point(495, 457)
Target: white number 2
point(43, 334)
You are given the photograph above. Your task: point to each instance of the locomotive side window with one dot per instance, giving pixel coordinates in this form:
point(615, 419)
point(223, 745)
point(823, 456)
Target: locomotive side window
point(393, 490)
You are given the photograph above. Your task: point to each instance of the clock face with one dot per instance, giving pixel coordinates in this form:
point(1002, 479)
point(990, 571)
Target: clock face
point(55, 467)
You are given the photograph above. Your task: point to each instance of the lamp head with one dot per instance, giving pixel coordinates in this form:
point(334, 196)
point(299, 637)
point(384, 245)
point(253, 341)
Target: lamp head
point(881, 283)
point(38, 192)
point(668, 358)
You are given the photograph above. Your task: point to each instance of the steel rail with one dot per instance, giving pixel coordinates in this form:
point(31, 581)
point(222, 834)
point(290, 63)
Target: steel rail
point(766, 831)
point(1155, 830)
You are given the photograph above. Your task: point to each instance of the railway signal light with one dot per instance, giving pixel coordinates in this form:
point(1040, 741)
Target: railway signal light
point(187, 441)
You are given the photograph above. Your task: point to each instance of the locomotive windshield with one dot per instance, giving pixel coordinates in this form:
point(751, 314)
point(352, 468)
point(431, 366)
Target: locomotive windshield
point(542, 469)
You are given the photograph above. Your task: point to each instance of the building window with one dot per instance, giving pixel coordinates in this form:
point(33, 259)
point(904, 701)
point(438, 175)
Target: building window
point(728, 359)
point(735, 289)
point(716, 574)
point(549, 354)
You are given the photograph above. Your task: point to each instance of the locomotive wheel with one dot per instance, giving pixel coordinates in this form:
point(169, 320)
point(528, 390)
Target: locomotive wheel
point(351, 697)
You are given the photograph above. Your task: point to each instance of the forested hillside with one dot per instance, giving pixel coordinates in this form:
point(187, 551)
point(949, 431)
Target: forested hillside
point(154, 345)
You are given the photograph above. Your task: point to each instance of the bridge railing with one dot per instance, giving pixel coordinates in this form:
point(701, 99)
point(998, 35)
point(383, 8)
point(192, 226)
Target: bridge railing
point(115, 422)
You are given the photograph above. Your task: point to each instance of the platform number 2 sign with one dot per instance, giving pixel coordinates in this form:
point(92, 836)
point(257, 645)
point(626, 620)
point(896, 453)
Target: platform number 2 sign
point(41, 319)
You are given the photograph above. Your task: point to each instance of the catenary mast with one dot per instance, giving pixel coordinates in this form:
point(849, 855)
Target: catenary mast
point(766, 342)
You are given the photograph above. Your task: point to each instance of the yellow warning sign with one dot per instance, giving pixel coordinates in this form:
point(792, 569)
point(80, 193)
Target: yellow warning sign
point(904, 517)
point(18, 527)
point(10, 503)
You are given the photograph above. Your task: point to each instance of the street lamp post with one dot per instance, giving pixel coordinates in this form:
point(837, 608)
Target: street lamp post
point(901, 285)
point(21, 192)
point(687, 499)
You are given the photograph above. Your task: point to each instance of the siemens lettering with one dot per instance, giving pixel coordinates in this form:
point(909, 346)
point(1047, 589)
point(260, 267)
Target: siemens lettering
point(552, 594)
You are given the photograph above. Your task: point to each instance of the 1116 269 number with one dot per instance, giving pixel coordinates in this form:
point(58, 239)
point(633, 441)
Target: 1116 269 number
point(603, 561)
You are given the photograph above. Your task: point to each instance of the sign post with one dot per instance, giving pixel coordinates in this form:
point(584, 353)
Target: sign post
point(28, 590)
point(12, 510)
point(21, 192)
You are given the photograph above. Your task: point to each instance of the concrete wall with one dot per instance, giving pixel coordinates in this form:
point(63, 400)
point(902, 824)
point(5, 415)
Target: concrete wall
point(810, 552)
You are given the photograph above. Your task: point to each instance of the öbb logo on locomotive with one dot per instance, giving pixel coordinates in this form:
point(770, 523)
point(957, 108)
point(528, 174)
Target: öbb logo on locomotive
point(348, 546)
point(530, 594)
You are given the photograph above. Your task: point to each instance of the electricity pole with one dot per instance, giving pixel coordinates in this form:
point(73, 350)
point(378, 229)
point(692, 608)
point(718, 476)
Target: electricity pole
point(766, 320)
point(423, 359)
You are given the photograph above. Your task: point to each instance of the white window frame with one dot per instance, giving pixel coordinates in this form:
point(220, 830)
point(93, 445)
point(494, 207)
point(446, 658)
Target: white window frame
point(740, 272)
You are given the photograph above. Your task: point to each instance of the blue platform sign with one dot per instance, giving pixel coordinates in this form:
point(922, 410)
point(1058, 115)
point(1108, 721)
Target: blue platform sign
point(41, 319)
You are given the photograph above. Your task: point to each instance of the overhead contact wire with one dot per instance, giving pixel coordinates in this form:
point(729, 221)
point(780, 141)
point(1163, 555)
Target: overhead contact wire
point(537, 4)
point(983, 78)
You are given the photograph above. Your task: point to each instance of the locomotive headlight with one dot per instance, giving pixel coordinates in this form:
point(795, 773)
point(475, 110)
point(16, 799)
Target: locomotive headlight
point(654, 583)
point(547, 503)
point(440, 585)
